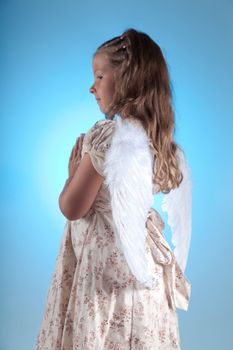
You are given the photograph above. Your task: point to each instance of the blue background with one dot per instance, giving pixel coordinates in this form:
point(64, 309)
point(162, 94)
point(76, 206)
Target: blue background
point(46, 53)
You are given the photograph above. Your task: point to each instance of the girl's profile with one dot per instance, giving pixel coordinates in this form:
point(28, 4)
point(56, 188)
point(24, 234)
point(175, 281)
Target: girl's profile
point(117, 283)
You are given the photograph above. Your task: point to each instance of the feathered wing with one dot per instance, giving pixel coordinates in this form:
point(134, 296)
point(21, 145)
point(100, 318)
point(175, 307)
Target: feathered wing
point(128, 174)
point(178, 205)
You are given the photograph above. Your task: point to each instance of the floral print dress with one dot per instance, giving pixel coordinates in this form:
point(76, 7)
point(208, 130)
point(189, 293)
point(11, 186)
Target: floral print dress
point(94, 301)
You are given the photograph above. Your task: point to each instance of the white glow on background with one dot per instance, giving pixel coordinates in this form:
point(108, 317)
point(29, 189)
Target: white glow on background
point(53, 151)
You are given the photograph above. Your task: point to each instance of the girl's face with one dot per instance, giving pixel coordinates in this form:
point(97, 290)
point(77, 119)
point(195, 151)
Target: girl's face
point(103, 86)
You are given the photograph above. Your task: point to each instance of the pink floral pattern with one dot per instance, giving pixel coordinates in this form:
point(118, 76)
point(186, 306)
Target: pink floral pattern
point(94, 301)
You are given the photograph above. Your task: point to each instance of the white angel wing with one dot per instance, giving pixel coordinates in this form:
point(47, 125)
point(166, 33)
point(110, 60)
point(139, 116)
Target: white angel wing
point(128, 173)
point(178, 205)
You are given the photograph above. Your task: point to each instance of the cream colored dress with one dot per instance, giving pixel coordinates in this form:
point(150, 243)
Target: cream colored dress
point(94, 301)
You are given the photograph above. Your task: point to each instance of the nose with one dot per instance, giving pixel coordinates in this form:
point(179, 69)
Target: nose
point(92, 89)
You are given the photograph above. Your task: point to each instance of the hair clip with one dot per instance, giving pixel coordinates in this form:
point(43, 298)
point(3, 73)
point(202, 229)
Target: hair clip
point(123, 47)
point(114, 41)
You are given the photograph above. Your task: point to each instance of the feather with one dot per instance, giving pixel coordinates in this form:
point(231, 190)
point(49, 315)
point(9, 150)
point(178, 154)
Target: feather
point(178, 205)
point(128, 171)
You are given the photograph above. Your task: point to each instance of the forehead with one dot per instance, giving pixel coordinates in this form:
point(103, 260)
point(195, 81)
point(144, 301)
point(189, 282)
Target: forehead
point(101, 62)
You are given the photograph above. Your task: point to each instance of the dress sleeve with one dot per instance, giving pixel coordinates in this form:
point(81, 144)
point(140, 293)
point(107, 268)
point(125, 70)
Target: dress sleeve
point(96, 142)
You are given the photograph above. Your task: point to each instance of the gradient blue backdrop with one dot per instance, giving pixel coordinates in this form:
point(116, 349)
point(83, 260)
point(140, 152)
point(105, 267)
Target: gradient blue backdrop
point(46, 53)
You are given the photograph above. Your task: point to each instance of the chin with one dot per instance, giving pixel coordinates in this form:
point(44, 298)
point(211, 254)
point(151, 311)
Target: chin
point(104, 110)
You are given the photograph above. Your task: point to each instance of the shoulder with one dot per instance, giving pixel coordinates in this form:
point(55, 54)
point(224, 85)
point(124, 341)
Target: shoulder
point(102, 124)
point(100, 134)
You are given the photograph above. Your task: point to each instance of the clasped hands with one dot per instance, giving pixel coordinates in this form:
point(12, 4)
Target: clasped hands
point(75, 156)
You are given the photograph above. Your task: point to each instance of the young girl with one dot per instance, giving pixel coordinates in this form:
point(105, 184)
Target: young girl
point(117, 283)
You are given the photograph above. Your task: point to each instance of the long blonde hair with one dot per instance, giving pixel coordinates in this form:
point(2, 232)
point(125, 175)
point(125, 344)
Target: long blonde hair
point(143, 91)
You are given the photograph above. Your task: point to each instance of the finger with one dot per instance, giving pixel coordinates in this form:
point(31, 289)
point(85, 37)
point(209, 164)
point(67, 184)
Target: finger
point(78, 154)
point(72, 157)
point(78, 150)
point(76, 147)
point(72, 152)
point(81, 139)
point(78, 143)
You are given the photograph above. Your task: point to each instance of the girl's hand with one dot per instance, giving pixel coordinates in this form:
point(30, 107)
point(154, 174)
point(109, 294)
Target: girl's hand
point(75, 156)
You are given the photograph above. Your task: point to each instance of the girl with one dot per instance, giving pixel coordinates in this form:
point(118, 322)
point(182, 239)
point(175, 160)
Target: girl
point(117, 283)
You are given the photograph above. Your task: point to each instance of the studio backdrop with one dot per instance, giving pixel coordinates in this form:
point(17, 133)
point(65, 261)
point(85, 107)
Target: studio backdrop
point(46, 73)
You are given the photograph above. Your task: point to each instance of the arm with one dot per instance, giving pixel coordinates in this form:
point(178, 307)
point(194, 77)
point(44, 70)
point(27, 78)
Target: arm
point(80, 190)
